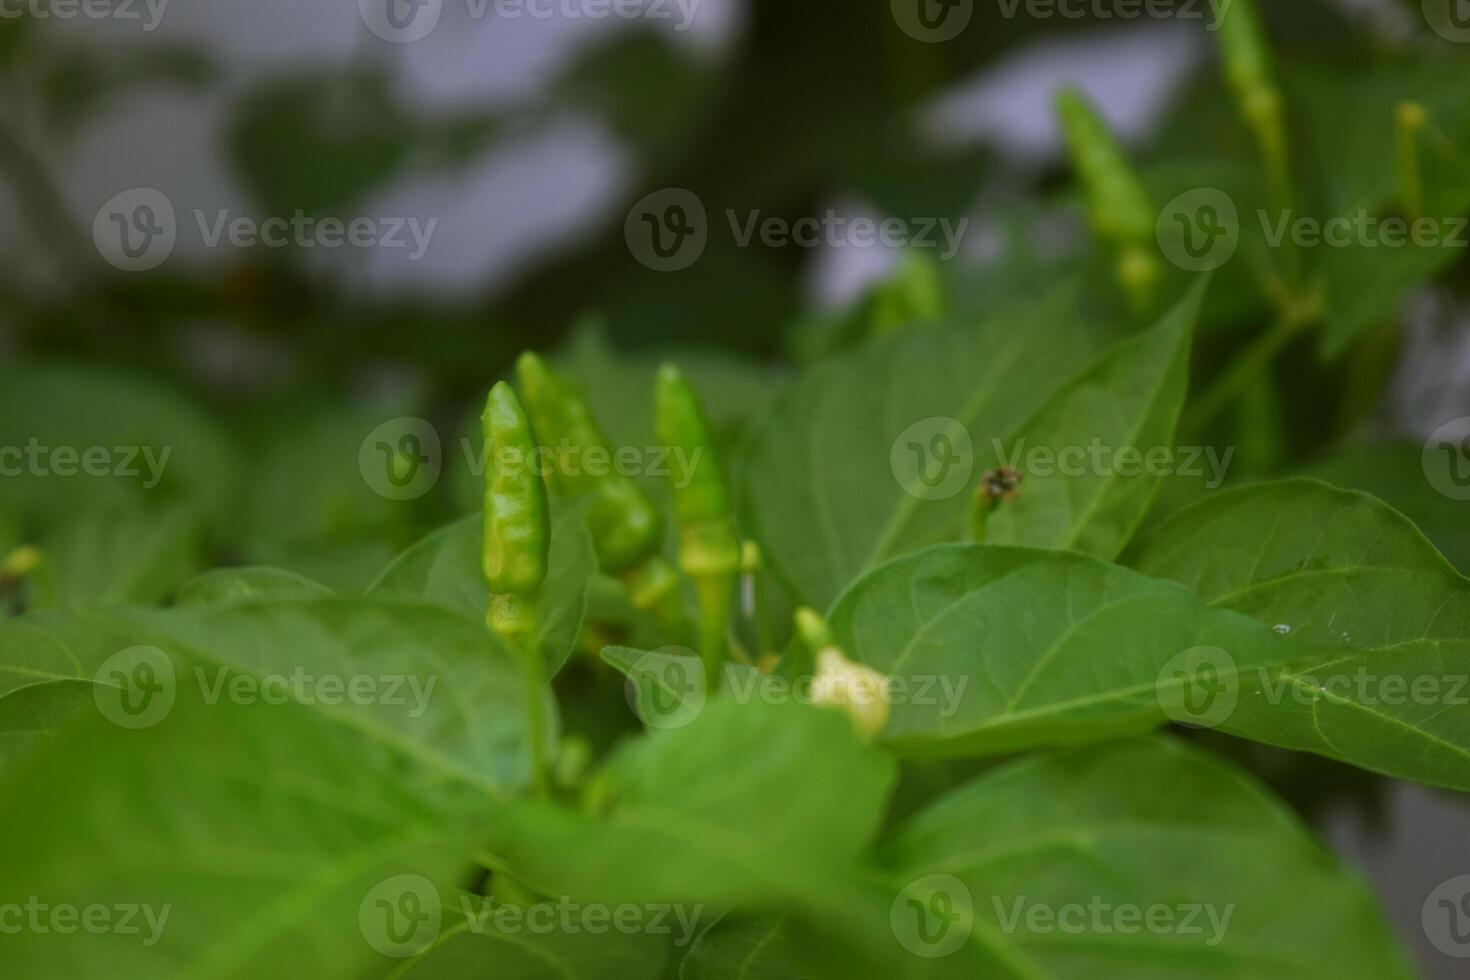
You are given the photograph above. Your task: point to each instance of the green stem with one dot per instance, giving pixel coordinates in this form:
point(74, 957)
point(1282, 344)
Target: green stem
point(1245, 370)
point(714, 593)
point(536, 714)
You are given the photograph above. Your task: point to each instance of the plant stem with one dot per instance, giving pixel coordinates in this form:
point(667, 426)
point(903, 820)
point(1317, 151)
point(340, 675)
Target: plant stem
point(1246, 368)
point(714, 593)
point(536, 714)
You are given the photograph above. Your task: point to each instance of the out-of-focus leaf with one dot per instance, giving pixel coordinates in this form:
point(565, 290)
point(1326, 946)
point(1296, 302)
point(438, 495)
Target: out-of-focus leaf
point(285, 842)
point(109, 553)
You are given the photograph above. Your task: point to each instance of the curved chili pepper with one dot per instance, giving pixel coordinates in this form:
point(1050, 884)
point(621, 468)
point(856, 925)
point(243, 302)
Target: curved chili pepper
point(1118, 206)
point(709, 547)
point(517, 521)
point(625, 525)
point(1247, 62)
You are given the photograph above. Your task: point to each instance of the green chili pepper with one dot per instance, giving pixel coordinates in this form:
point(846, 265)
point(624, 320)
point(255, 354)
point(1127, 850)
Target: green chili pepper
point(517, 544)
point(709, 548)
point(625, 525)
point(1409, 120)
point(1118, 206)
point(1247, 62)
point(517, 525)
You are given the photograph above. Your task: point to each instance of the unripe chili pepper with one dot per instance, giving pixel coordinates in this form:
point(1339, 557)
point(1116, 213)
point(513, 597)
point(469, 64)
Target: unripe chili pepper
point(709, 548)
point(1118, 206)
point(1409, 120)
point(1247, 62)
point(517, 521)
point(625, 525)
point(516, 553)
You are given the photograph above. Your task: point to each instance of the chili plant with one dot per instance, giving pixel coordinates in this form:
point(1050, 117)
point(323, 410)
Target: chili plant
point(1004, 637)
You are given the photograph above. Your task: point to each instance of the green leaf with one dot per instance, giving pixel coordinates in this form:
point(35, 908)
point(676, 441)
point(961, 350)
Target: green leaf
point(1044, 850)
point(1128, 401)
point(824, 480)
point(995, 649)
point(767, 948)
point(226, 586)
point(445, 568)
point(49, 664)
point(408, 674)
point(669, 687)
point(1390, 471)
point(476, 946)
point(670, 819)
point(253, 838)
point(1342, 571)
point(111, 553)
point(147, 443)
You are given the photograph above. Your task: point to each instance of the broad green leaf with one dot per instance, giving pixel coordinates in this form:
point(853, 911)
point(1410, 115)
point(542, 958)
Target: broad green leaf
point(85, 434)
point(1391, 471)
point(1126, 403)
point(765, 948)
point(253, 583)
point(994, 649)
point(247, 841)
point(1342, 571)
point(408, 674)
point(1139, 859)
point(49, 664)
point(831, 487)
point(110, 553)
point(446, 568)
point(546, 940)
point(674, 817)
